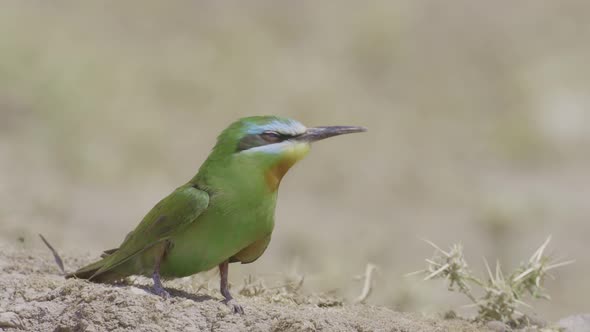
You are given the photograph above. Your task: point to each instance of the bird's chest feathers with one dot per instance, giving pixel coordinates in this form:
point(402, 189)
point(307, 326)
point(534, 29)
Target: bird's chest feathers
point(275, 173)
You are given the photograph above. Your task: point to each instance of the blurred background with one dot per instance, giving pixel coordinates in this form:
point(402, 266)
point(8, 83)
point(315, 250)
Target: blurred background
point(478, 118)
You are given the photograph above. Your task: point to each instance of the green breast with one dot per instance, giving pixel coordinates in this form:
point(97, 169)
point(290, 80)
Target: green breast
point(229, 225)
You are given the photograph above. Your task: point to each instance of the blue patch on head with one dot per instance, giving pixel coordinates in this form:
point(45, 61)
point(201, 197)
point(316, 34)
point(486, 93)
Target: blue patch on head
point(282, 126)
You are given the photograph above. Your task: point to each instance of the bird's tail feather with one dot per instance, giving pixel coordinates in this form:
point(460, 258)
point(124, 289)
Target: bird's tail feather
point(87, 271)
point(90, 272)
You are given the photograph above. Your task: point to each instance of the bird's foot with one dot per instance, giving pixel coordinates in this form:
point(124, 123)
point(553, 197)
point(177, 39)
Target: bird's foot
point(224, 289)
point(158, 288)
point(234, 306)
point(161, 292)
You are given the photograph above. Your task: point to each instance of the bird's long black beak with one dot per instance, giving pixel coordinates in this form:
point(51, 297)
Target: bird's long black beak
point(319, 133)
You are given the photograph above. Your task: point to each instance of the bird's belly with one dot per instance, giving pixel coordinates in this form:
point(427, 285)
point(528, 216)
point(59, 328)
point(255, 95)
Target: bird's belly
point(210, 241)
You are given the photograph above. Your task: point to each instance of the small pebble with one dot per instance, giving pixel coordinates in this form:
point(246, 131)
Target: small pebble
point(9, 319)
point(138, 291)
point(159, 306)
point(575, 323)
point(497, 326)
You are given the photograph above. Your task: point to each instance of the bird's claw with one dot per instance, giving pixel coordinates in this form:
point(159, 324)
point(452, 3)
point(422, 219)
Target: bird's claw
point(161, 292)
point(234, 306)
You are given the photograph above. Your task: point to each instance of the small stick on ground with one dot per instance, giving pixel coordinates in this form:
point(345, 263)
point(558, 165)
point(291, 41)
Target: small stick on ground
point(56, 256)
point(368, 285)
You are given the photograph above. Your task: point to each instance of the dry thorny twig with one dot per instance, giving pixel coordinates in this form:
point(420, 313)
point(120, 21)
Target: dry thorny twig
point(502, 294)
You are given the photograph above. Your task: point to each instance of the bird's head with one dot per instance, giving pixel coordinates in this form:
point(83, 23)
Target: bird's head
point(271, 144)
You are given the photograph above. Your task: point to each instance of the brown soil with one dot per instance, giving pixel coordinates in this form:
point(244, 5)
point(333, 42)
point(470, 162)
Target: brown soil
point(35, 297)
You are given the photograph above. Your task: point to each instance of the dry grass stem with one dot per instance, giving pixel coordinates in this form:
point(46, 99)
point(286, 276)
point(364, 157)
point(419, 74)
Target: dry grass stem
point(502, 294)
point(368, 283)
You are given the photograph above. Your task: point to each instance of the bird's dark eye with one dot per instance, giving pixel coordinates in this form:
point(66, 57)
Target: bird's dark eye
point(271, 136)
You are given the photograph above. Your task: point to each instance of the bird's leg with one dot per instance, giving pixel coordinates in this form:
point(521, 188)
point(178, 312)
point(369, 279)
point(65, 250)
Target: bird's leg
point(229, 300)
point(158, 288)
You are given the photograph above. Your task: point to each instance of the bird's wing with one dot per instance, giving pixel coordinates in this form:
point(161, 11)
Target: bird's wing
point(180, 208)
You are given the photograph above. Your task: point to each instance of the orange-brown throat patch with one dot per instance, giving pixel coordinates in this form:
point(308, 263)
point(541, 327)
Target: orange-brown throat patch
point(275, 174)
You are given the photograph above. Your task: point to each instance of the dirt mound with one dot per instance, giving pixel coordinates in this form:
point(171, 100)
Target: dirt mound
point(35, 298)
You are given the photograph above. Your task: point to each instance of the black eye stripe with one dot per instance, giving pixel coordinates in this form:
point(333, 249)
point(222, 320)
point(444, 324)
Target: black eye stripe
point(265, 138)
point(273, 136)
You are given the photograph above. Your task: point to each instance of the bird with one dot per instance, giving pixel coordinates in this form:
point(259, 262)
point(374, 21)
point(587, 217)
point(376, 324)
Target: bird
point(224, 214)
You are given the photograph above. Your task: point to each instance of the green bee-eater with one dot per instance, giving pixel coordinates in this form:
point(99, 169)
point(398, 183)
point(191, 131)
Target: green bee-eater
point(224, 214)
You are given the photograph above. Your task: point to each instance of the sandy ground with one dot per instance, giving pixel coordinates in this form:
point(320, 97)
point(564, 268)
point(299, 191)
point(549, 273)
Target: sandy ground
point(35, 297)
